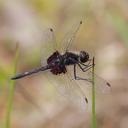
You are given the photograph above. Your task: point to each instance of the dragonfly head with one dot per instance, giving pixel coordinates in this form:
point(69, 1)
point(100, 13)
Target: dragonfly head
point(83, 56)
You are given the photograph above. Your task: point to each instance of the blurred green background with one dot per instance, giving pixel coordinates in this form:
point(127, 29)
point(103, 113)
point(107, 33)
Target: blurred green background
point(104, 34)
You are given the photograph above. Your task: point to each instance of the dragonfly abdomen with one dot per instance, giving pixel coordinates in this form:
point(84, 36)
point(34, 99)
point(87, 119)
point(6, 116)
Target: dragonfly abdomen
point(21, 75)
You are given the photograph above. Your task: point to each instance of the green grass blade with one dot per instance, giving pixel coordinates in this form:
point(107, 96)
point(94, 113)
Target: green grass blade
point(93, 96)
point(11, 91)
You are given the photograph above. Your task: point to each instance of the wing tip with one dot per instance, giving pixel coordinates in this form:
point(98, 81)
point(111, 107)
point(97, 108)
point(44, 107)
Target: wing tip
point(86, 100)
point(109, 85)
point(51, 29)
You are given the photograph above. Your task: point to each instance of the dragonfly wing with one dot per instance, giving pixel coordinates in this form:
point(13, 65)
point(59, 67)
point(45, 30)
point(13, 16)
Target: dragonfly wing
point(101, 85)
point(69, 89)
point(27, 96)
point(69, 37)
point(49, 45)
point(75, 89)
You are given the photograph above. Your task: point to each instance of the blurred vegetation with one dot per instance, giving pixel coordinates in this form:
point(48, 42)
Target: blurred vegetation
point(11, 91)
point(103, 34)
point(121, 26)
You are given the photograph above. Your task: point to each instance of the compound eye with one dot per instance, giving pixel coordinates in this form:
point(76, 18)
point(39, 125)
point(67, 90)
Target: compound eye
point(84, 56)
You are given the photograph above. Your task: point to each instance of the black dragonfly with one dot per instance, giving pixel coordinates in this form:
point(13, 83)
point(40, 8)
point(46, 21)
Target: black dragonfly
point(58, 62)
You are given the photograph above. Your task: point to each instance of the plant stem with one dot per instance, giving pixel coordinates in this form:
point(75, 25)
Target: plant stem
point(93, 95)
point(11, 91)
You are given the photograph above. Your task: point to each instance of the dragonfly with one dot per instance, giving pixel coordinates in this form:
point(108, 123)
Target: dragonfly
point(57, 62)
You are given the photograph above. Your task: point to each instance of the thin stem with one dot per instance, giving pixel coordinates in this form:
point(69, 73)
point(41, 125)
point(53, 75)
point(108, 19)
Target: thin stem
point(93, 95)
point(11, 91)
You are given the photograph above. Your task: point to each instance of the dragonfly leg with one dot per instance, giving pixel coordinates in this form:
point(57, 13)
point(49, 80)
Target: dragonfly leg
point(79, 78)
point(89, 61)
point(86, 68)
point(83, 69)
